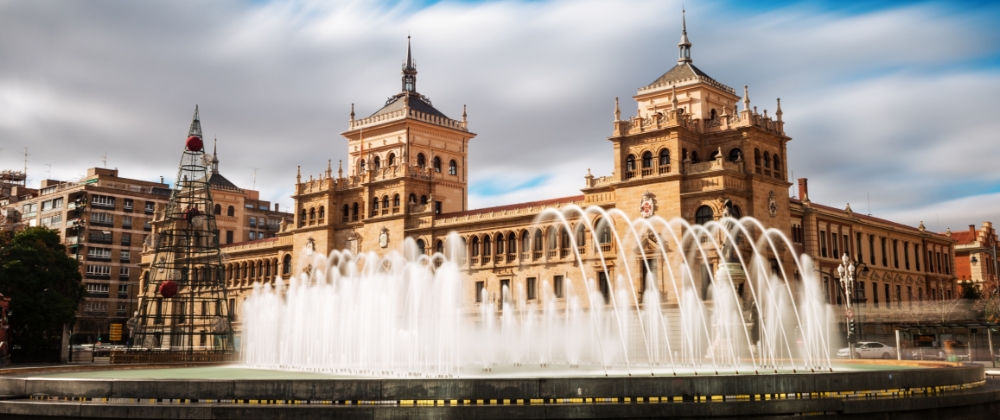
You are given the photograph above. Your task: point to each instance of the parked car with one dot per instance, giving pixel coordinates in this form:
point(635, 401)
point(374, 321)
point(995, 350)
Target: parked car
point(869, 350)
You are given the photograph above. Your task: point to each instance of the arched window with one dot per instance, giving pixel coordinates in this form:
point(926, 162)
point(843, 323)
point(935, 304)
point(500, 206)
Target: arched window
point(374, 206)
point(500, 243)
point(694, 156)
point(603, 232)
point(420, 246)
point(767, 160)
point(231, 211)
point(630, 163)
point(684, 155)
point(452, 167)
point(475, 246)
point(735, 154)
point(421, 160)
point(581, 237)
point(552, 238)
point(439, 247)
point(392, 159)
point(538, 240)
point(511, 243)
point(712, 115)
point(704, 215)
point(302, 218)
point(312, 213)
point(218, 210)
point(487, 248)
point(756, 160)
point(385, 201)
point(322, 212)
point(647, 160)
point(715, 154)
point(395, 200)
point(564, 241)
point(437, 164)
point(525, 241)
point(423, 199)
point(664, 157)
point(378, 163)
point(347, 212)
point(777, 166)
point(354, 212)
point(361, 165)
point(413, 199)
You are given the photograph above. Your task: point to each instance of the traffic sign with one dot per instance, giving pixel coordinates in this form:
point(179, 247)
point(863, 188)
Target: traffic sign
point(850, 313)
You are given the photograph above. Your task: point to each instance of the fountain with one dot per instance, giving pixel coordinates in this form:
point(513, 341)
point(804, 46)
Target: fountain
point(399, 336)
point(402, 315)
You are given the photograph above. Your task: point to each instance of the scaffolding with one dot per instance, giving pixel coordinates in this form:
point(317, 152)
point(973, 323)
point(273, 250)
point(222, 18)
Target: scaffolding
point(183, 311)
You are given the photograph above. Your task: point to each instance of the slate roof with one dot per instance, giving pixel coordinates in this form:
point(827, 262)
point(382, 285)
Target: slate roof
point(217, 180)
point(682, 71)
point(416, 102)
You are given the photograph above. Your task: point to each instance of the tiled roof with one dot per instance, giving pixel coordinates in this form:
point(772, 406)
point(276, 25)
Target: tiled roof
point(682, 71)
point(550, 202)
point(415, 102)
point(965, 237)
point(869, 218)
point(217, 180)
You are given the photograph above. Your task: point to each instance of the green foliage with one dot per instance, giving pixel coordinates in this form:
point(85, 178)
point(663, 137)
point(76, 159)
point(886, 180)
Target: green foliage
point(43, 282)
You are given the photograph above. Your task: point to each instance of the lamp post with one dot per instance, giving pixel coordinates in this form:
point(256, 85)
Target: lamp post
point(848, 271)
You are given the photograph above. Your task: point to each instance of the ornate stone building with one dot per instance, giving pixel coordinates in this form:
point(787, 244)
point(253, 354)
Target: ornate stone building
point(694, 150)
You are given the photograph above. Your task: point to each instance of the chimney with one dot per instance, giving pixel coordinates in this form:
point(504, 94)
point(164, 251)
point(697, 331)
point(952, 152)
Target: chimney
point(803, 188)
point(276, 207)
point(972, 228)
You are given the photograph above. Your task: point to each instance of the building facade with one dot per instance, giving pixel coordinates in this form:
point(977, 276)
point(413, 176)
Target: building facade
point(103, 220)
point(694, 150)
point(976, 256)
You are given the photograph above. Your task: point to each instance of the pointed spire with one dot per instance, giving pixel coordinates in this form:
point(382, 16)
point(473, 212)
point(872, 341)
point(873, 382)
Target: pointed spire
point(673, 94)
point(618, 115)
point(746, 98)
point(684, 46)
point(778, 112)
point(465, 116)
point(352, 112)
point(340, 169)
point(409, 70)
point(195, 124)
point(298, 175)
point(215, 156)
point(329, 168)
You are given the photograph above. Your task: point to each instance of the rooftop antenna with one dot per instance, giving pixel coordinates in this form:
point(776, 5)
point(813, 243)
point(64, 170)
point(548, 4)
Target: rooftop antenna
point(104, 159)
point(25, 153)
point(869, 202)
point(255, 178)
point(48, 172)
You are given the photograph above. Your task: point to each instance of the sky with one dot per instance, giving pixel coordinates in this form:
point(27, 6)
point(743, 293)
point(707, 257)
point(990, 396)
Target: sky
point(888, 103)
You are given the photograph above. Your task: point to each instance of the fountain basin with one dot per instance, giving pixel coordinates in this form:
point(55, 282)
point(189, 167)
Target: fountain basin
point(254, 393)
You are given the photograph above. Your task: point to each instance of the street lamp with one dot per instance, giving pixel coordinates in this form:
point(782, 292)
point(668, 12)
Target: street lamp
point(848, 271)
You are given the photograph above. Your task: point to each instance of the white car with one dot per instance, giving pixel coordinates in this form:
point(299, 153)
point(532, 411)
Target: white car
point(869, 350)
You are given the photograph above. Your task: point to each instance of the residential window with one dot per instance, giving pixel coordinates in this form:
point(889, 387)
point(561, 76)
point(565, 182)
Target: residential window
point(102, 253)
point(895, 253)
point(916, 256)
point(939, 262)
point(875, 294)
point(123, 290)
point(452, 168)
point(557, 283)
point(47, 205)
point(125, 256)
point(888, 299)
point(128, 204)
point(232, 308)
point(871, 249)
point(123, 271)
point(229, 236)
point(102, 201)
point(52, 221)
point(126, 222)
point(126, 239)
point(150, 207)
point(99, 270)
point(906, 254)
point(704, 215)
point(885, 257)
point(98, 289)
point(858, 249)
point(102, 218)
point(847, 245)
point(930, 261)
point(438, 207)
point(899, 296)
point(253, 221)
point(532, 294)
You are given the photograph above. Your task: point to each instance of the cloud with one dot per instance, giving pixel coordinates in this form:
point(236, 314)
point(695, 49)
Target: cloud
point(890, 100)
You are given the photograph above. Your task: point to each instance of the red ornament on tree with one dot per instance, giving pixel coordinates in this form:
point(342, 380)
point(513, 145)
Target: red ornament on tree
point(194, 144)
point(168, 289)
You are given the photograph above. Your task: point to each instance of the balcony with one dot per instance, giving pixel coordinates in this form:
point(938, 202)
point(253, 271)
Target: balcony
point(664, 169)
point(103, 205)
point(486, 259)
point(537, 255)
point(101, 238)
point(475, 260)
point(98, 258)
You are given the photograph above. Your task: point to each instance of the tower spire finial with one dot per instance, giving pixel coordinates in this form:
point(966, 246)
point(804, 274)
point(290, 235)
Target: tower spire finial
point(215, 155)
point(618, 112)
point(409, 70)
point(684, 46)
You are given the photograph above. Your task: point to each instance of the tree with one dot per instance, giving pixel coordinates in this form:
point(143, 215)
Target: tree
point(44, 285)
point(971, 291)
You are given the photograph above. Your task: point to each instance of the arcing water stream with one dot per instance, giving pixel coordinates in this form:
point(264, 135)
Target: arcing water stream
point(412, 315)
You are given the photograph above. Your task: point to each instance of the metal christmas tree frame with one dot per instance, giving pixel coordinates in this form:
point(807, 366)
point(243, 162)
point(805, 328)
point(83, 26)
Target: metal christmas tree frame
point(183, 311)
